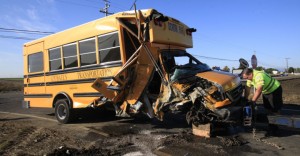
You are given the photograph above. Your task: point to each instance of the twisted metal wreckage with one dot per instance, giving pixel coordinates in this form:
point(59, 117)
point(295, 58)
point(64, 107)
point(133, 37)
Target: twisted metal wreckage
point(152, 83)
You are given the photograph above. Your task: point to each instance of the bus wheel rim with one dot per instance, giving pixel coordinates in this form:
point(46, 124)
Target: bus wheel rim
point(61, 112)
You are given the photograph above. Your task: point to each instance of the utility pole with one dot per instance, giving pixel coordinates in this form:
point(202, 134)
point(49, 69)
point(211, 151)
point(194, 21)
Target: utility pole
point(133, 4)
point(287, 64)
point(105, 10)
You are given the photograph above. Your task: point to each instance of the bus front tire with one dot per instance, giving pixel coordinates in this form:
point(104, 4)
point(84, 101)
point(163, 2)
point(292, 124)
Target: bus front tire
point(63, 113)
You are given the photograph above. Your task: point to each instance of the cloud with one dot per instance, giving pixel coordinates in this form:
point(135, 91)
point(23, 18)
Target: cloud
point(30, 16)
point(34, 25)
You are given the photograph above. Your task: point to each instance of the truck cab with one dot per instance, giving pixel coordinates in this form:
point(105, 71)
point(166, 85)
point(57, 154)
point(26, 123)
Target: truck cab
point(215, 92)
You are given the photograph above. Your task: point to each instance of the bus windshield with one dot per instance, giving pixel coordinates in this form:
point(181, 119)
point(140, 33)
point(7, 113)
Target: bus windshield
point(180, 64)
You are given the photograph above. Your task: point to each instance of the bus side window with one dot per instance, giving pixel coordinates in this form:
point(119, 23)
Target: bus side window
point(35, 62)
point(109, 47)
point(87, 51)
point(70, 55)
point(55, 59)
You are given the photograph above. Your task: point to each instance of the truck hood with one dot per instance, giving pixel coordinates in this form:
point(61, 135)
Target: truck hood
point(227, 80)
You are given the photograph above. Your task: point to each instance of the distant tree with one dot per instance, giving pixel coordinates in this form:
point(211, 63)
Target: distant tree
point(291, 70)
point(297, 70)
point(259, 68)
point(270, 70)
point(226, 68)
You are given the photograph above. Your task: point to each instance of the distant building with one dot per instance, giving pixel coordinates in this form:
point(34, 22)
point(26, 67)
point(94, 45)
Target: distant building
point(274, 72)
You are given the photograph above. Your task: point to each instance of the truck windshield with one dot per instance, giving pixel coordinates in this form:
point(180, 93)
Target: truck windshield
point(180, 64)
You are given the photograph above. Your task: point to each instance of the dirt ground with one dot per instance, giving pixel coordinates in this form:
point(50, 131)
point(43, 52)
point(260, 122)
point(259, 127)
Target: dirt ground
point(36, 132)
point(291, 90)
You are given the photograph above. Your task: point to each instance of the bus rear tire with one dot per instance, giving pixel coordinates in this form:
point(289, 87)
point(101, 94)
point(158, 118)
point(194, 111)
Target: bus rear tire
point(63, 113)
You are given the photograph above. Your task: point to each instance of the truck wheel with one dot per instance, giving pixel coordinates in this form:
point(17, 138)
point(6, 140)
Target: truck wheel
point(63, 113)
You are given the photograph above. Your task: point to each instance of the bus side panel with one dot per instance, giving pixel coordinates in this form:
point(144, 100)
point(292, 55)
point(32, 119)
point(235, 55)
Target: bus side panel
point(81, 94)
point(78, 85)
point(40, 101)
point(85, 95)
point(34, 82)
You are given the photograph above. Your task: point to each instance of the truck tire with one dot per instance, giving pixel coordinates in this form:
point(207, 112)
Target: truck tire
point(63, 113)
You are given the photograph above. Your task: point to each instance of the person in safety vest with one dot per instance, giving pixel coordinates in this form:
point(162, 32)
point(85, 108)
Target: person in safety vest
point(266, 85)
point(270, 89)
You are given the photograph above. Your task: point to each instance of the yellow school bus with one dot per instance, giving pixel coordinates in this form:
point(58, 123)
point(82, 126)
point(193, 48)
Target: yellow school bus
point(133, 60)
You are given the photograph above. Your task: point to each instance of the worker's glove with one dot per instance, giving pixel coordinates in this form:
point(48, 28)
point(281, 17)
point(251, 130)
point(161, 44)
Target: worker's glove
point(253, 103)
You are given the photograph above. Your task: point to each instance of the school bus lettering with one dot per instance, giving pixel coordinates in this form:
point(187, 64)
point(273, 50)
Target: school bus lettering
point(180, 30)
point(172, 27)
point(94, 74)
point(176, 28)
point(59, 78)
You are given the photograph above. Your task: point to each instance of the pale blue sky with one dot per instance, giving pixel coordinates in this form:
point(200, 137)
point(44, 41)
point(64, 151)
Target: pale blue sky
point(228, 29)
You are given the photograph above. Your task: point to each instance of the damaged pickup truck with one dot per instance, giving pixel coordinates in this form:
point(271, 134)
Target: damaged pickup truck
point(161, 77)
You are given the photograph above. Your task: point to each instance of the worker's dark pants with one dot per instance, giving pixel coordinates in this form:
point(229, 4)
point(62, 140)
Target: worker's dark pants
point(273, 101)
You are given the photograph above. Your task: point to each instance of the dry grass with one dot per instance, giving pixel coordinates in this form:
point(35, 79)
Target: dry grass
point(11, 84)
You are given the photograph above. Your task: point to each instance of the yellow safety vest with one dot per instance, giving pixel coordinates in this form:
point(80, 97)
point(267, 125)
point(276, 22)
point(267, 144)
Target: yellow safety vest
point(260, 78)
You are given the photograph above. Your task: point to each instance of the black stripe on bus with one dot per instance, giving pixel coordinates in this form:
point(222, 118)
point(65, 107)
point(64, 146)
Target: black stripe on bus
point(33, 75)
point(79, 69)
point(70, 82)
point(36, 84)
point(76, 81)
point(91, 94)
point(37, 95)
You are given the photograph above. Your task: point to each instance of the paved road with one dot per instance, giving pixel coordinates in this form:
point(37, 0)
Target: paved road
point(11, 102)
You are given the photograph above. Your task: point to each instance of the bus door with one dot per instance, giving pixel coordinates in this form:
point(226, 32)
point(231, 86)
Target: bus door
point(137, 73)
point(34, 69)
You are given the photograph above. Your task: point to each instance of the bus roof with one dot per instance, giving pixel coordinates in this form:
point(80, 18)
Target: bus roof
point(91, 29)
point(94, 25)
